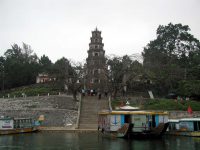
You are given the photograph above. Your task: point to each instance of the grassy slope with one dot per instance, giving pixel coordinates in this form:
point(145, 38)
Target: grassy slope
point(33, 90)
point(169, 104)
point(162, 104)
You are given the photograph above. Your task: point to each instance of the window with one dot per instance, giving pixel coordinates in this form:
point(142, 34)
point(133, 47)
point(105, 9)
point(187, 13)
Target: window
point(92, 81)
point(95, 71)
point(70, 80)
point(96, 80)
point(99, 71)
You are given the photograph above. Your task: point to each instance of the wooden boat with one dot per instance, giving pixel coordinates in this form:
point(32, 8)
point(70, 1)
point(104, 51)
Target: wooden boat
point(184, 127)
point(133, 124)
point(10, 125)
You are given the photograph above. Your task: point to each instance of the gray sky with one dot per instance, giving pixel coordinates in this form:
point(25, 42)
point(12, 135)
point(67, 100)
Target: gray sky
point(60, 28)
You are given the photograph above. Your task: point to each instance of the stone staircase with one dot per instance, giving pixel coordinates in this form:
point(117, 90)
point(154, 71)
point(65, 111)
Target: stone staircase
point(90, 107)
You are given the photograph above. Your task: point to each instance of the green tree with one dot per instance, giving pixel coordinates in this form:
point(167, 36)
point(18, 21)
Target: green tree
point(122, 72)
point(61, 69)
point(45, 64)
point(2, 73)
point(20, 67)
point(75, 81)
point(168, 58)
point(69, 76)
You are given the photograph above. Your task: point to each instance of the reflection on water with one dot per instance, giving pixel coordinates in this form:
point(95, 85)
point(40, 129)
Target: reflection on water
point(92, 141)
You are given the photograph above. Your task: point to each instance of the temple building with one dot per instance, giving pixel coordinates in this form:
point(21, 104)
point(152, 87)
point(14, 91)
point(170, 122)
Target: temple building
point(96, 69)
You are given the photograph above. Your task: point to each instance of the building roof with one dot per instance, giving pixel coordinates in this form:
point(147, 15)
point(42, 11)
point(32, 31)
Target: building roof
point(127, 107)
point(184, 119)
point(141, 112)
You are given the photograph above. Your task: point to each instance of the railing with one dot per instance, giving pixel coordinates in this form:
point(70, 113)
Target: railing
point(79, 111)
point(24, 95)
point(109, 103)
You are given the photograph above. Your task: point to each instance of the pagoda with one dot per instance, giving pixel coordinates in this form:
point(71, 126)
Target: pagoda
point(96, 69)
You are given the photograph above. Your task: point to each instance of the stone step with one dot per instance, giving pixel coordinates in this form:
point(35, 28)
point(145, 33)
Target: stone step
point(88, 126)
point(88, 119)
point(92, 122)
point(89, 112)
point(89, 115)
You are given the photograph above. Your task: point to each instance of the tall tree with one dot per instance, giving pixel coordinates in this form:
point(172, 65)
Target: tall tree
point(2, 73)
point(21, 66)
point(122, 71)
point(45, 64)
point(169, 56)
point(75, 81)
point(69, 76)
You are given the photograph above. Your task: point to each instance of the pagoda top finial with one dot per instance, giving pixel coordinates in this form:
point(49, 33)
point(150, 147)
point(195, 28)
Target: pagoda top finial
point(96, 29)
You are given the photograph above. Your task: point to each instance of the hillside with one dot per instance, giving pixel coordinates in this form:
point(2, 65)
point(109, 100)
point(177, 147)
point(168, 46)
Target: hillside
point(158, 104)
point(52, 88)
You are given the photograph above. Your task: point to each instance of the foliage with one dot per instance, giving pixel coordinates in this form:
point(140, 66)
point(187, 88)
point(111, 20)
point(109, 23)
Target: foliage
point(169, 104)
point(189, 88)
point(20, 66)
point(33, 90)
point(173, 56)
point(46, 65)
point(70, 76)
point(123, 72)
point(2, 60)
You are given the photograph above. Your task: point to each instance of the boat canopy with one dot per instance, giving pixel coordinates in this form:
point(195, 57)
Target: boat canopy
point(173, 120)
point(190, 119)
point(184, 120)
point(133, 113)
point(127, 107)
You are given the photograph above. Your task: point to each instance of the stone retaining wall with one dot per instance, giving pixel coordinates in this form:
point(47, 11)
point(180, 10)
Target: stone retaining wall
point(59, 111)
point(183, 114)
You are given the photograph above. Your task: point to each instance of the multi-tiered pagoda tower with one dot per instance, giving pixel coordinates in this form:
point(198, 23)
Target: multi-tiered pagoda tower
point(96, 70)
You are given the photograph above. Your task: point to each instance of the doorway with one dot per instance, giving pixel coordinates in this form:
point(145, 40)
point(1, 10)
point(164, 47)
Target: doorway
point(127, 119)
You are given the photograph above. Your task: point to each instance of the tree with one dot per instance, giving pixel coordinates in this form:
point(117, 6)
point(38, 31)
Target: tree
point(2, 73)
point(75, 81)
point(45, 64)
point(61, 69)
point(122, 71)
point(170, 56)
point(20, 67)
point(69, 76)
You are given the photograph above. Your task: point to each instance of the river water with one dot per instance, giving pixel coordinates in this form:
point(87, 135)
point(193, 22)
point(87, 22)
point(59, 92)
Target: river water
point(92, 141)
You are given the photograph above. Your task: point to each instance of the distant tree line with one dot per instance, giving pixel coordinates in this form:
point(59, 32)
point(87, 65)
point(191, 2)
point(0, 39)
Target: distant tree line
point(20, 66)
point(171, 64)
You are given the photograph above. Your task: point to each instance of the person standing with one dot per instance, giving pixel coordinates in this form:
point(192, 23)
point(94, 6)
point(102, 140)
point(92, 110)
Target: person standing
point(99, 95)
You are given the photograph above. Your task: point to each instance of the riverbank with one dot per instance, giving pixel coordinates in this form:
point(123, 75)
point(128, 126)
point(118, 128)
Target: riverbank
point(60, 111)
point(66, 129)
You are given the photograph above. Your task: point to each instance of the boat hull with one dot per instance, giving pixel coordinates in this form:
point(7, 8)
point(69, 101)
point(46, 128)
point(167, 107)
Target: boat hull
point(18, 131)
point(155, 133)
point(133, 135)
point(184, 133)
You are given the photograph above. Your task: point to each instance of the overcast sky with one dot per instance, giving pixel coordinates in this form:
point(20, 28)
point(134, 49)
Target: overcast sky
point(62, 28)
